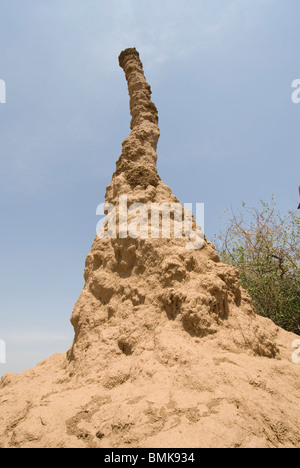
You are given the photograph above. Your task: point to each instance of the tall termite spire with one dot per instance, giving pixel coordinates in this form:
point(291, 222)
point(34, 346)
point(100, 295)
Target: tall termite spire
point(141, 106)
point(167, 347)
point(136, 173)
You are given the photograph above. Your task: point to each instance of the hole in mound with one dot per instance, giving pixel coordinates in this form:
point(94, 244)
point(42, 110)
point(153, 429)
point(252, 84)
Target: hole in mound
point(97, 261)
point(125, 347)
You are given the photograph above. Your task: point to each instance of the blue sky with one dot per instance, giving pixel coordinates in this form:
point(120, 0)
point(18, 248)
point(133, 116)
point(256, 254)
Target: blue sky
point(221, 74)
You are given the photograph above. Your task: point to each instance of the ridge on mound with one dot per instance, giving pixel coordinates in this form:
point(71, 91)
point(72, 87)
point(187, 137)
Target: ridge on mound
point(167, 349)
